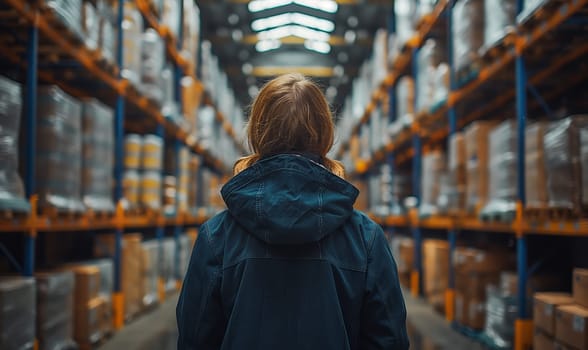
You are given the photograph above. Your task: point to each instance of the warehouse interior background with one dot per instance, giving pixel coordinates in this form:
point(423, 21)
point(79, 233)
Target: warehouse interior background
point(464, 123)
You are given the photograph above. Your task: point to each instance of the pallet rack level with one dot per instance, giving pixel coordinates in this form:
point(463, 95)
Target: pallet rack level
point(442, 121)
point(41, 29)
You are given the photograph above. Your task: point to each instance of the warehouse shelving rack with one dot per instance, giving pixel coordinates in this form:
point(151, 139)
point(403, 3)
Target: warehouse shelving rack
point(465, 104)
point(94, 76)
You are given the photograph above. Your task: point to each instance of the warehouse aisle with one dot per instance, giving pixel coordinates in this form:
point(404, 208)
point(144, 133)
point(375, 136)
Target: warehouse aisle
point(156, 330)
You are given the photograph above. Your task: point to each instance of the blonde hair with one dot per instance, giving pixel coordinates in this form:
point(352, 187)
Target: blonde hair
point(290, 114)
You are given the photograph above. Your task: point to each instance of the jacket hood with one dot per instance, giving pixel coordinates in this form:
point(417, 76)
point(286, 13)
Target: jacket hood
point(289, 199)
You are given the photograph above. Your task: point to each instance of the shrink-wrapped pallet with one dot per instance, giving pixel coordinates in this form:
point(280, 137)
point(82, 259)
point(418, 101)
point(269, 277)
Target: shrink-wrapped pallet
point(403, 251)
point(405, 101)
point(106, 31)
point(435, 271)
point(467, 32)
point(133, 28)
point(133, 148)
point(168, 273)
point(170, 16)
point(97, 155)
point(191, 33)
point(131, 189)
point(131, 268)
point(169, 194)
point(11, 186)
point(424, 8)
point(400, 189)
point(17, 313)
point(434, 165)
point(68, 12)
point(429, 57)
point(584, 161)
point(477, 156)
point(529, 7)
point(59, 150)
point(457, 172)
point(441, 84)
point(152, 153)
point(90, 25)
point(535, 175)
point(405, 11)
point(150, 266)
point(499, 20)
point(562, 159)
point(193, 184)
point(152, 62)
point(502, 168)
point(55, 310)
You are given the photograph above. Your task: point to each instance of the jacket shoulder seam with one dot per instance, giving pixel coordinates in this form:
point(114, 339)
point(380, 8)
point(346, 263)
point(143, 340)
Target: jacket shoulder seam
point(209, 240)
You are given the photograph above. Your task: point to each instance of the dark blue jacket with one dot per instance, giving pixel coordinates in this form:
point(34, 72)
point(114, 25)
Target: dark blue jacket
point(291, 265)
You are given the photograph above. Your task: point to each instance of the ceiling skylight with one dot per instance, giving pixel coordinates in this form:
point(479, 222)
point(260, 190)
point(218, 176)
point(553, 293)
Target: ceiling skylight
point(329, 6)
point(267, 45)
point(293, 30)
point(293, 18)
point(317, 46)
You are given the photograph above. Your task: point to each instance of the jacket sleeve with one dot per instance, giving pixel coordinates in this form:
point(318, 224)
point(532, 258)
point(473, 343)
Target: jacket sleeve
point(199, 311)
point(383, 315)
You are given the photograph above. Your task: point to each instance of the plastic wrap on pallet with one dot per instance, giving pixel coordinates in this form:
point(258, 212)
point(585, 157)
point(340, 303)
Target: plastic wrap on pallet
point(193, 184)
point(476, 145)
point(500, 18)
point(501, 313)
point(441, 84)
point(90, 25)
point(379, 57)
point(107, 34)
point(400, 189)
point(429, 57)
point(424, 7)
point(17, 313)
point(168, 264)
point(562, 159)
point(405, 13)
point(502, 168)
point(55, 310)
point(529, 7)
point(435, 271)
point(206, 126)
point(535, 176)
point(152, 62)
point(456, 174)
point(133, 29)
point(170, 16)
point(405, 102)
point(59, 149)
point(584, 161)
point(434, 165)
point(150, 256)
point(11, 186)
point(467, 32)
point(68, 12)
point(97, 155)
point(191, 33)
point(169, 194)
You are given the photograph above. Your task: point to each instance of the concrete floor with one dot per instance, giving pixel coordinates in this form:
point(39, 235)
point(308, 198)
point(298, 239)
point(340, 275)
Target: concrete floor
point(156, 330)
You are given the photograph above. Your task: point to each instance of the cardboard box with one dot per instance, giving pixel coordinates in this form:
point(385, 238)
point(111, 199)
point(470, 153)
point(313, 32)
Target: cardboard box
point(536, 178)
point(17, 300)
point(435, 266)
point(87, 283)
point(580, 287)
point(542, 342)
point(55, 309)
point(470, 312)
point(87, 326)
point(544, 306)
point(467, 260)
point(476, 147)
point(571, 326)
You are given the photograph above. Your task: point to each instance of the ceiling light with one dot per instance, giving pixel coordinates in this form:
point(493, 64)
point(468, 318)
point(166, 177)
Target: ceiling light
point(293, 30)
point(267, 45)
point(317, 46)
point(329, 6)
point(293, 18)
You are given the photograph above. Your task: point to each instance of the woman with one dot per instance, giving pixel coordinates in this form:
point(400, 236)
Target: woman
point(290, 264)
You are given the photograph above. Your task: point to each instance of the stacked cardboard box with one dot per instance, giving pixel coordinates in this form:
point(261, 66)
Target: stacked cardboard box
point(435, 272)
point(500, 18)
point(475, 269)
point(403, 252)
point(131, 268)
point(55, 307)
point(150, 256)
point(476, 146)
point(561, 319)
point(87, 304)
point(468, 32)
point(17, 313)
point(457, 173)
point(434, 166)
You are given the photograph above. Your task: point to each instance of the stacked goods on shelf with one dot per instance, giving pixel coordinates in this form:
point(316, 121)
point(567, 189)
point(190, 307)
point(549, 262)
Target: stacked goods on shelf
point(191, 98)
point(168, 275)
point(131, 268)
point(403, 252)
point(499, 20)
point(562, 144)
point(400, 190)
point(544, 317)
point(434, 167)
point(11, 186)
point(176, 185)
point(133, 29)
point(17, 313)
point(149, 272)
point(441, 82)
point(529, 7)
point(502, 170)
point(467, 32)
point(379, 58)
point(475, 269)
point(152, 63)
point(68, 13)
point(194, 168)
point(429, 60)
point(191, 34)
point(97, 156)
point(477, 158)
point(435, 272)
point(405, 98)
point(151, 169)
point(405, 11)
point(170, 15)
point(90, 25)
point(132, 163)
point(535, 176)
point(168, 103)
point(424, 7)
point(88, 305)
point(457, 173)
point(502, 305)
point(55, 310)
point(59, 147)
point(571, 321)
point(106, 31)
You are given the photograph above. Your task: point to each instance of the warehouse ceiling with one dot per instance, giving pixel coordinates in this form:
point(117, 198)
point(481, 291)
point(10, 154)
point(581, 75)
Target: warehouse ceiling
point(325, 39)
